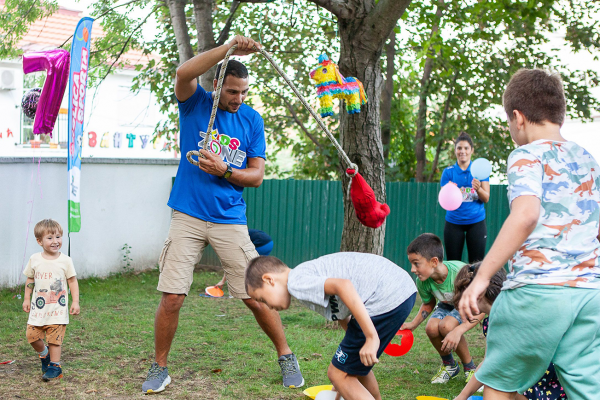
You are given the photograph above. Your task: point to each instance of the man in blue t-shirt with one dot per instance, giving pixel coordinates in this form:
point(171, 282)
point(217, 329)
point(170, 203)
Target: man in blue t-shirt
point(207, 203)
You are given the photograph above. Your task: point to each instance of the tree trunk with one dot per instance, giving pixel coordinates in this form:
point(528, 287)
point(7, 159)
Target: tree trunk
point(423, 94)
point(387, 94)
point(360, 134)
point(206, 39)
point(182, 37)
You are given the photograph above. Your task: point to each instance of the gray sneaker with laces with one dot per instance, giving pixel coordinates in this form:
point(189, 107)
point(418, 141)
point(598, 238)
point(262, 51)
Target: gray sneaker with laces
point(290, 370)
point(157, 380)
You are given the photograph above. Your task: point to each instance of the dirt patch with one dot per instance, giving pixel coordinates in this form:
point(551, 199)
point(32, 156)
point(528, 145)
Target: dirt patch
point(208, 268)
point(22, 380)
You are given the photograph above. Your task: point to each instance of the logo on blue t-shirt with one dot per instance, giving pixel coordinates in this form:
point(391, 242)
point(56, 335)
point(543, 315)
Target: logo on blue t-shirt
point(224, 146)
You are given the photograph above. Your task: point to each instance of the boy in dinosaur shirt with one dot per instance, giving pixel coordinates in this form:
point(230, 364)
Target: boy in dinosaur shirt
point(548, 308)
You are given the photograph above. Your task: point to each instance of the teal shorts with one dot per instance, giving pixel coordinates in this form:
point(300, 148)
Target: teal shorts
point(534, 325)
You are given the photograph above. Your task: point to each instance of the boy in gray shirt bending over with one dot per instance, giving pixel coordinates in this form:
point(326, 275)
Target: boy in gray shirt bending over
point(370, 296)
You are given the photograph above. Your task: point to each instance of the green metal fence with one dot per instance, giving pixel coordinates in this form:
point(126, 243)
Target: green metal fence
point(305, 218)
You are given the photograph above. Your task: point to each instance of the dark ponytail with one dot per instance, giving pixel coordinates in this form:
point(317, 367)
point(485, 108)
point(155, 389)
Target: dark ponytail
point(464, 136)
point(466, 275)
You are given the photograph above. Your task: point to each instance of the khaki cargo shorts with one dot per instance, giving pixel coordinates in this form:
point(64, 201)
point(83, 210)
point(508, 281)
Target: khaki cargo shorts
point(54, 333)
point(188, 236)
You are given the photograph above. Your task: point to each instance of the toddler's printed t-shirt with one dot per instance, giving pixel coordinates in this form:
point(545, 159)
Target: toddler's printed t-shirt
point(444, 291)
point(381, 284)
point(50, 299)
point(562, 249)
point(235, 138)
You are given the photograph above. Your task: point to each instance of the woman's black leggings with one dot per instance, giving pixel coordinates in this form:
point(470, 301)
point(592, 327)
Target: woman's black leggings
point(454, 241)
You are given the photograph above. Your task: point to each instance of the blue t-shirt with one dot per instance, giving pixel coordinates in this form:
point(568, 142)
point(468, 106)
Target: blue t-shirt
point(236, 137)
point(471, 210)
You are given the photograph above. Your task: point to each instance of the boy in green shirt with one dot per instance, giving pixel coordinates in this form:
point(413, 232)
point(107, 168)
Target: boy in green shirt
point(435, 284)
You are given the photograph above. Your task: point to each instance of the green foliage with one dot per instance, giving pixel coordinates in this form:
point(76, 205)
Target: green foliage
point(127, 260)
point(478, 47)
point(15, 18)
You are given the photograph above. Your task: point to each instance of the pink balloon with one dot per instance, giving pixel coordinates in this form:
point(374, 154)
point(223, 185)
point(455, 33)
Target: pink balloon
point(56, 64)
point(450, 197)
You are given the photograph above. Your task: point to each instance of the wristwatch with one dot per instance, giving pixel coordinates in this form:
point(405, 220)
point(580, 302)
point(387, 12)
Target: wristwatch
point(227, 173)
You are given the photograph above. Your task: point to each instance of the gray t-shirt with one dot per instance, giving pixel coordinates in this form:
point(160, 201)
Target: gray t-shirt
point(381, 284)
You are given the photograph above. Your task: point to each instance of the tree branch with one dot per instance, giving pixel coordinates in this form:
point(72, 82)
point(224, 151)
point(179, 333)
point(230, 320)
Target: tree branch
point(126, 43)
point(384, 17)
point(387, 94)
point(299, 122)
point(339, 8)
point(102, 15)
point(107, 48)
point(443, 127)
point(423, 95)
point(180, 29)
point(24, 17)
point(225, 32)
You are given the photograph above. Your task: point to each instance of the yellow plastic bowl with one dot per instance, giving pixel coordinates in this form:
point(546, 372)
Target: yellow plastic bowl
point(312, 392)
point(430, 398)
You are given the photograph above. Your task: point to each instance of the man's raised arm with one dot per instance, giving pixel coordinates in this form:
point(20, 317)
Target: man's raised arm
point(185, 80)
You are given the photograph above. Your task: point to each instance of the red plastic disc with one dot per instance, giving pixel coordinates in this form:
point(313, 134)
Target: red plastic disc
point(406, 342)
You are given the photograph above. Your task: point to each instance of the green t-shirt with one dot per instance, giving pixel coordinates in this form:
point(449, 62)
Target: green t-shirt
point(444, 291)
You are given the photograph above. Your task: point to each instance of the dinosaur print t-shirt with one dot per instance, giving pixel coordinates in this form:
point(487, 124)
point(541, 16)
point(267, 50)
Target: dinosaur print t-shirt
point(562, 249)
point(50, 299)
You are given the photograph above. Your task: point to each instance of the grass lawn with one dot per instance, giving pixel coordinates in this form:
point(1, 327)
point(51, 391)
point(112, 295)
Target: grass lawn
point(219, 352)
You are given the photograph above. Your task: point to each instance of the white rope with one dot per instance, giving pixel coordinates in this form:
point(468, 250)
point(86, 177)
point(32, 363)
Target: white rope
point(217, 96)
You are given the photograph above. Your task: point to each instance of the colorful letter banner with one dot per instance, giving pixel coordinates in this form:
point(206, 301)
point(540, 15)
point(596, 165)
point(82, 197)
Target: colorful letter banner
point(80, 56)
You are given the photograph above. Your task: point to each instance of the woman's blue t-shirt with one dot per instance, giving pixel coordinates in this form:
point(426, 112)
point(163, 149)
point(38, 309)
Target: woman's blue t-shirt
point(472, 209)
point(235, 137)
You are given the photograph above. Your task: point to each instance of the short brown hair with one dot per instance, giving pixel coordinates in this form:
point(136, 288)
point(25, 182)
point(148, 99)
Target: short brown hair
point(46, 226)
point(427, 245)
point(466, 275)
point(536, 93)
point(259, 266)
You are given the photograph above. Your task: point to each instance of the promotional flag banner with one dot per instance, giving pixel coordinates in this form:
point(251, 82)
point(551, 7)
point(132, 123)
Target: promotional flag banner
point(80, 56)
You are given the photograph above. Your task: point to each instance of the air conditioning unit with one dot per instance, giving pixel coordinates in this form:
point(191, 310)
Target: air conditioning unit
point(7, 79)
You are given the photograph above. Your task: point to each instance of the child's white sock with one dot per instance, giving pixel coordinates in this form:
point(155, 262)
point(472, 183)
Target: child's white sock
point(44, 353)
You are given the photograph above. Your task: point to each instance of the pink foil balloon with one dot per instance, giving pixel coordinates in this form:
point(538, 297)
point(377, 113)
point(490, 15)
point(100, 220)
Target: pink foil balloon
point(450, 197)
point(56, 64)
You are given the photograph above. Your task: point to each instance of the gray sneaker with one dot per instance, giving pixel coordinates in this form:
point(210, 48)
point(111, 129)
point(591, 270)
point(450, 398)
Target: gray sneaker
point(290, 370)
point(158, 379)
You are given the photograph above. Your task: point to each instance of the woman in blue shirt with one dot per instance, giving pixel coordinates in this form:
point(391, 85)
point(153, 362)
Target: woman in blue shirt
point(468, 221)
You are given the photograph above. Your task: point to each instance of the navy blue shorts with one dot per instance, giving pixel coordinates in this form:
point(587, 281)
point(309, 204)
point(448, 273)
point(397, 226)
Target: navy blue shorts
point(347, 357)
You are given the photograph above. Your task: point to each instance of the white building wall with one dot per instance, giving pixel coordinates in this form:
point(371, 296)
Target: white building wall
point(110, 108)
point(122, 202)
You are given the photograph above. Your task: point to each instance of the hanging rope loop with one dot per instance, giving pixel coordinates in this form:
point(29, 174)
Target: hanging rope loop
point(352, 170)
point(213, 113)
point(193, 153)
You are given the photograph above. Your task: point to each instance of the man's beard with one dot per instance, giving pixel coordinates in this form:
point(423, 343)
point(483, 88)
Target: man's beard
point(228, 108)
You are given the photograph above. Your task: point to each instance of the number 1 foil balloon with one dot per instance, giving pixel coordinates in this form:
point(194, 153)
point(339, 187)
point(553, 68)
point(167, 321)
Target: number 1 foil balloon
point(56, 64)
